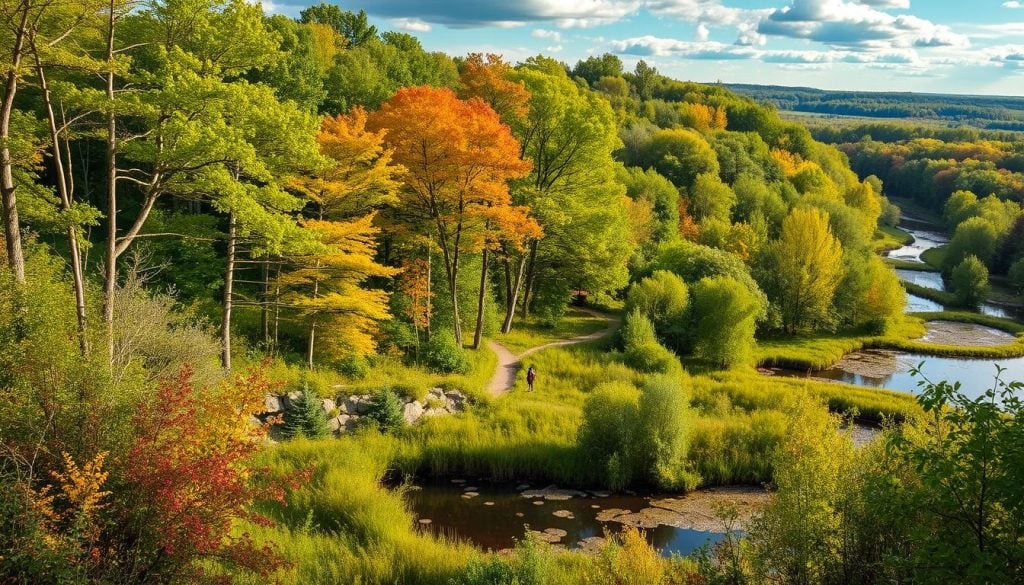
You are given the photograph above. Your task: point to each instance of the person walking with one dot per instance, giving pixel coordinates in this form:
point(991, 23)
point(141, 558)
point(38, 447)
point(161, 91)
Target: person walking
point(531, 377)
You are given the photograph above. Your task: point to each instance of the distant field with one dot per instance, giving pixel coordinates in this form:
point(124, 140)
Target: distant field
point(984, 112)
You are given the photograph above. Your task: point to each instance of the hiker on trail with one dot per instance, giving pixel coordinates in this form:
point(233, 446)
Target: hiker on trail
point(531, 375)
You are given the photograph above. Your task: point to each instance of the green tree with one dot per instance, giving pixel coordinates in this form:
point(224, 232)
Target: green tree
point(977, 237)
point(959, 207)
point(797, 537)
point(354, 27)
point(725, 318)
point(662, 432)
point(568, 135)
point(1016, 275)
point(662, 297)
point(802, 269)
point(680, 155)
point(969, 282)
point(711, 199)
point(305, 416)
point(606, 434)
point(965, 485)
point(593, 68)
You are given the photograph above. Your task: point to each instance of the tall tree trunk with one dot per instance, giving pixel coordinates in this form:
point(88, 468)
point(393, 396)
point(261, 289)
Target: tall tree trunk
point(514, 289)
point(277, 306)
point(229, 282)
point(531, 275)
point(479, 333)
point(430, 284)
point(312, 324)
point(264, 299)
point(110, 278)
point(12, 227)
point(451, 265)
point(64, 190)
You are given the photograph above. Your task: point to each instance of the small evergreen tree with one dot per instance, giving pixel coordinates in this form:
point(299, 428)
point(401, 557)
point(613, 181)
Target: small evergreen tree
point(306, 417)
point(385, 412)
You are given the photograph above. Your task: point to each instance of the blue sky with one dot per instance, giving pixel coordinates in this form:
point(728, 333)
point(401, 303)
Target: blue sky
point(950, 46)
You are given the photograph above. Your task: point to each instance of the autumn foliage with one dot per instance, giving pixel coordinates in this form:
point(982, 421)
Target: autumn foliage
point(458, 157)
point(189, 476)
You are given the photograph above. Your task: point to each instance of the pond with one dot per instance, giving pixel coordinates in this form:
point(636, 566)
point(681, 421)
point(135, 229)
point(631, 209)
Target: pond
point(891, 369)
point(494, 516)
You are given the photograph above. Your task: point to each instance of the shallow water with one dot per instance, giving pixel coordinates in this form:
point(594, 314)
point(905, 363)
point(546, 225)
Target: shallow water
point(891, 369)
point(500, 515)
point(916, 304)
point(924, 239)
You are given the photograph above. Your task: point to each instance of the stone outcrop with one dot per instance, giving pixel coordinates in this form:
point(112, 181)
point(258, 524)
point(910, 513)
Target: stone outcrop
point(344, 412)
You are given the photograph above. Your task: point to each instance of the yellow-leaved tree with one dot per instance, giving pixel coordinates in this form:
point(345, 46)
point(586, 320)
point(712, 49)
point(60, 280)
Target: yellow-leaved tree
point(327, 286)
point(802, 269)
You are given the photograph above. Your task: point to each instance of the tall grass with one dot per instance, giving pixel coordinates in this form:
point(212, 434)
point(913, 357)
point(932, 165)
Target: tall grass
point(343, 526)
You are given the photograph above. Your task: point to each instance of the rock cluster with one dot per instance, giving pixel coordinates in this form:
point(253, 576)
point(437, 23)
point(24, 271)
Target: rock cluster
point(344, 412)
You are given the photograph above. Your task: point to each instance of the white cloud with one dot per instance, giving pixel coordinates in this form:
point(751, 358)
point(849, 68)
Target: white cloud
point(551, 35)
point(482, 13)
point(886, 3)
point(702, 32)
point(856, 25)
point(651, 46)
point(1013, 4)
point(411, 24)
point(554, 48)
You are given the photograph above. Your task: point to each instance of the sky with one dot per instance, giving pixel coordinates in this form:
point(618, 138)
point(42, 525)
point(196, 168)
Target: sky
point(941, 46)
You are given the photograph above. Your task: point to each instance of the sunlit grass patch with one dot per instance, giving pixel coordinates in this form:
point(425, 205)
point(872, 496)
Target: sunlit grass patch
point(535, 331)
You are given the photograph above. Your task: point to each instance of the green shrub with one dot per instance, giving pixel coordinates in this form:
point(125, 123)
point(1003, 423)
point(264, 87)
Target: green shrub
point(663, 298)
point(969, 282)
point(444, 354)
point(529, 564)
point(641, 347)
point(306, 416)
point(354, 367)
point(660, 439)
point(385, 412)
point(609, 418)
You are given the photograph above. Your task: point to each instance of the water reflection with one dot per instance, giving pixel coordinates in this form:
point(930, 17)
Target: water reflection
point(498, 515)
point(891, 369)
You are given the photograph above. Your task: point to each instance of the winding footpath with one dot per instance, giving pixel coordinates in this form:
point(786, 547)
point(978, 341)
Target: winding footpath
point(508, 363)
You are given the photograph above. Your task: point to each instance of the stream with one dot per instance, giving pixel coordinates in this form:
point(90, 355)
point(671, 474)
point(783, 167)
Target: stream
point(892, 369)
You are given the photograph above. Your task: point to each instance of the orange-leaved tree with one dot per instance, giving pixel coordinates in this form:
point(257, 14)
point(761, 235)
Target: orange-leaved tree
point(459, 157)
point(488, 79)
point(326, 285)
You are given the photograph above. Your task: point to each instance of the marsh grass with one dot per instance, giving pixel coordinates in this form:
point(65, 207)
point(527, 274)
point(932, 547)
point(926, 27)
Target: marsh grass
point(344, 525)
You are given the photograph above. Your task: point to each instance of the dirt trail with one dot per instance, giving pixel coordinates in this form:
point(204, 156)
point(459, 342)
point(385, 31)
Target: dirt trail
point(508, 363)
